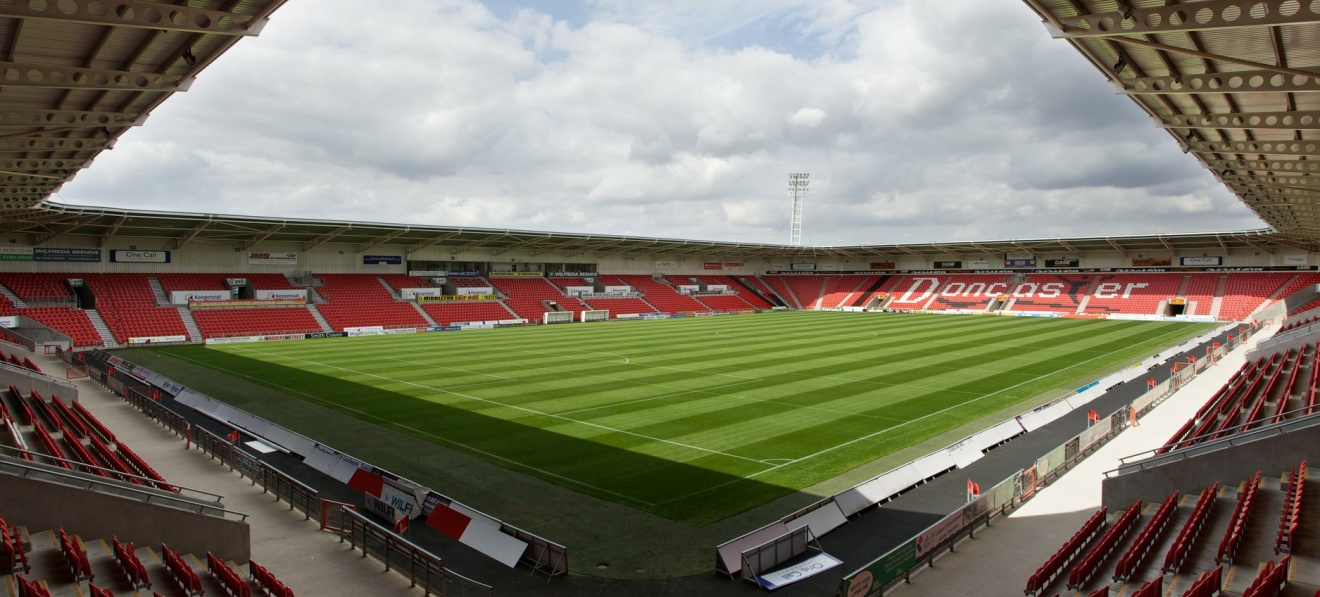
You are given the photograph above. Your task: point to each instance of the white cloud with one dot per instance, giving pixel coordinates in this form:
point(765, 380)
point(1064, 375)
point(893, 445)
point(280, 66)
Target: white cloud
point(918, 121)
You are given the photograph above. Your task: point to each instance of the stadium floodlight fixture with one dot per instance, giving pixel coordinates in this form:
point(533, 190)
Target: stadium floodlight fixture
point(797, 189)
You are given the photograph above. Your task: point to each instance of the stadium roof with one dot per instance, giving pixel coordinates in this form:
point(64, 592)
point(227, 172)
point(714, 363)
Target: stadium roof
point(1236, 83)
point(174, 230)
point(75, 74)
point(1236, 87)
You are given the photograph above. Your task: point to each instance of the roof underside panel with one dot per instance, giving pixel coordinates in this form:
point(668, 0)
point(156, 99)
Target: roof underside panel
point(1237, 84)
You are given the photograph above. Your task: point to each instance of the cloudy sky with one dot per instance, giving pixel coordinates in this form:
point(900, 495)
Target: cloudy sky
point(918, 121)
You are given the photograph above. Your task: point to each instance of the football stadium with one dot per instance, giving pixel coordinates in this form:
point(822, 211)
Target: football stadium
point(196, 403)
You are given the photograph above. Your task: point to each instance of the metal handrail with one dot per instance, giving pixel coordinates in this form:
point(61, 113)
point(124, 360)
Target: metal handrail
point(88, 482)
point(148, 481)
point(1184, 452)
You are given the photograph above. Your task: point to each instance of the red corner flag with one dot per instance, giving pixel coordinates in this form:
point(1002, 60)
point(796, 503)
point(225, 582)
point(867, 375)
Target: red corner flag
point(233, 436)
point(973, 488)
point(401, 525)
point(1092, 417)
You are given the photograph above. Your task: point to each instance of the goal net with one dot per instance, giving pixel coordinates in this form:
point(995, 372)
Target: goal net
point(558, 317)
point(595, 315)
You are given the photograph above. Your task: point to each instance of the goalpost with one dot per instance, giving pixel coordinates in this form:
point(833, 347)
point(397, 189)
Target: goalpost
point(595, 315)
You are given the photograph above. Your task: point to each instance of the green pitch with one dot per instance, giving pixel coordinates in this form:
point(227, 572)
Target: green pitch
point(693, 419)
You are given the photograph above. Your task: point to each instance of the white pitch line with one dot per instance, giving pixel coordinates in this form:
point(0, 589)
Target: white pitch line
point(513, 407)
point(793, 461)
point(388, 423)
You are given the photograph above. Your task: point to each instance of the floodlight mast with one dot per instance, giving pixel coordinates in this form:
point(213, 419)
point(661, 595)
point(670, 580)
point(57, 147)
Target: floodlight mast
point(797, 189)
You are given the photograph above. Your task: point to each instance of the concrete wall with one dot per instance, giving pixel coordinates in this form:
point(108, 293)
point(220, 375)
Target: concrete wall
point(43, 505)
point(42, 384)
point(1271, 456)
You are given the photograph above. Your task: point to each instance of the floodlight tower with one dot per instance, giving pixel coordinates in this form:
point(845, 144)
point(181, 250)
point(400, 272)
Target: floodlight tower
point(797, 189)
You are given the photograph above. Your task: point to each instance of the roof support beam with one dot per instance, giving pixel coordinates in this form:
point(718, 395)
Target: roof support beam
point(26, 143)
point(1117, 247)
point(110, 231)
point(18, 116)
point(307, 246)
point(384, 238)
point(1278, 182)
point(1297, 148)
point(177, 243)
point(1301, 120)
point(1279, 167)
point(431, 241)
point(28, 74)
point(145, 15)
point(1176, 18)
point(62, 229)
point(25, 220)
point(263, 235)
point(1265, 79)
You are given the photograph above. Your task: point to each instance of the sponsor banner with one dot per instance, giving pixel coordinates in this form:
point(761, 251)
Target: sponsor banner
point(887, 265)
point(382, 260)
point(888, 568)
point(779, 267)
point(9, 322)
point(380, 332)
point(259, 258)
point(295, 294)
point(618, 290)
point(947, 265)
point(1294, 259)
point(427, 273)
point(1070, 262)
point(513, 274)
point(236, 281)
point(733, 265)
point(245, 303)
point(15, 253)
point(156, 339)
point(799, 571)
point(1201, 261)
point(412, 293)
point(666, 265)
point(79, 255)
point(712, 265)
point(364, 328)
point(688, 288)
point(186, 297)
point(572, 274)
point(579, 290)
point(802, 267)
point(465, 274)
point(942, 530)
point(1019, 263)
point(131, 256)
point(252, 338)
point(1018, 255)
point(444, 328)
point(472, 290)
point(717, 287)
point(1152, 261)
point(319, 335)
point(457, 297)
